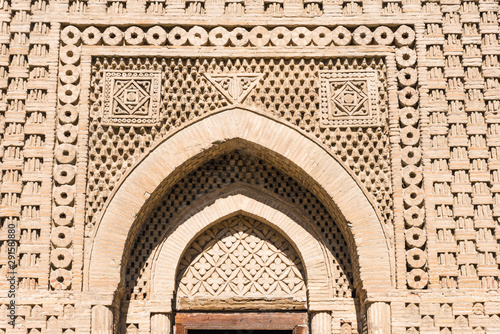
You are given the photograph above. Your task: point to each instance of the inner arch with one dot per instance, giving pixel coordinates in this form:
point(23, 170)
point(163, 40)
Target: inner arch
point(190, 147)
point(216, 179)
point(240, 257)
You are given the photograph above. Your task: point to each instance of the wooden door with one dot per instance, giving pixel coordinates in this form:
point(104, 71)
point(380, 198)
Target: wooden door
point(296, 322)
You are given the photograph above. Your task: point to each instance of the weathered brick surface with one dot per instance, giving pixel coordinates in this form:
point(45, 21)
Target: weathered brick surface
point(365, 133)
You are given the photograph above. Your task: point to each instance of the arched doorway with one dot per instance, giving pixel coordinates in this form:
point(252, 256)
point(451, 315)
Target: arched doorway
point(241, 265)
point(241, 185)
point(306, 164)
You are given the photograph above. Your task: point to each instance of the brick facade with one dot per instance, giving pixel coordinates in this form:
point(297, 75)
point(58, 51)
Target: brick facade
point(339, 158)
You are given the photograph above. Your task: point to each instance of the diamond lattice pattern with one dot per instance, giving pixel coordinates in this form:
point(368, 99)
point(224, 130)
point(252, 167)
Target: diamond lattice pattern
point(241, 257)
point(350, 99)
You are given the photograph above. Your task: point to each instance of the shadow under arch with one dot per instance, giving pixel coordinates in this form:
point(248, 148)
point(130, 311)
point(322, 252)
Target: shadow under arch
point(186, 149)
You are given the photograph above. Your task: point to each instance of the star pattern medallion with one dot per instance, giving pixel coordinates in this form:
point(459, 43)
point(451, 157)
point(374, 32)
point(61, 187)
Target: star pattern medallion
point(349, 98)
point(132, 97)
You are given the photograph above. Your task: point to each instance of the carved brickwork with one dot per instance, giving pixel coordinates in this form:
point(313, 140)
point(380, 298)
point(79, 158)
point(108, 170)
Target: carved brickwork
point(178, 109)
point(39, 131)
point(182, 104)
point(26, 116)
point(463, 122)
point(235, 168)
point(12, 174)
point(66, 157)
point(38, 315)
point(241, 257)
point(258, 36)
point(405, 57)
point(411, 161)
point(487, 211)
point(446, 204)
point(405, 94)
point(235, 87)
point(446, 316)
point(350, 98)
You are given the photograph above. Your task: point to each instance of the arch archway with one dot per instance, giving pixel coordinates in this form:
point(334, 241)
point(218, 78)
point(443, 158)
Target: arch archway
point(240, 202)
point(189, 147)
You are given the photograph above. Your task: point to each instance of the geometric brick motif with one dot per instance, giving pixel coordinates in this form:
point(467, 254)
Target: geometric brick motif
point(448, 132)
point(236, 86)
point(131, 97)
point(211, 85)
point(237, 167)
point(349, 98)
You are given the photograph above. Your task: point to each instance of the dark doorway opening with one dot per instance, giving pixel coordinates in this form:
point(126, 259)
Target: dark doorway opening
point(241, 323)
point(238, 331)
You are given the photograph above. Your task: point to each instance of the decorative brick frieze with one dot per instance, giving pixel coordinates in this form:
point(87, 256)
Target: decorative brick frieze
point(404, 95)
point(241, 257)
point(233, 90)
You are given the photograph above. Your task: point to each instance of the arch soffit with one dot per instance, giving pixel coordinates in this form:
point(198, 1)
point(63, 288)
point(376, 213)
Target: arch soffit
point(363, 223)
point(185, 231)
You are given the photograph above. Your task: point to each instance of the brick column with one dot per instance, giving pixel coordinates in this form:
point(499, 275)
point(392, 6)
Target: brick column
point(378, 318)
point(161, 323)
point(321, 322)
point(102, 319)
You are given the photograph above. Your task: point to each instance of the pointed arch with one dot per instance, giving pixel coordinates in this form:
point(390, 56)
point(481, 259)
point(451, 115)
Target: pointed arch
point(249, 203)
point(290, 149)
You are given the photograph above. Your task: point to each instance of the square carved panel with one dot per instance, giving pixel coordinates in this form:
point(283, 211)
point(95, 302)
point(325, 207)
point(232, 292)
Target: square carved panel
point(349, 98)
point(131, 97)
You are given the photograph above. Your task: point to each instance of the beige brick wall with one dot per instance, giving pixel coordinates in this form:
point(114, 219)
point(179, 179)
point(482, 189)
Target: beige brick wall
point(386, 112)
